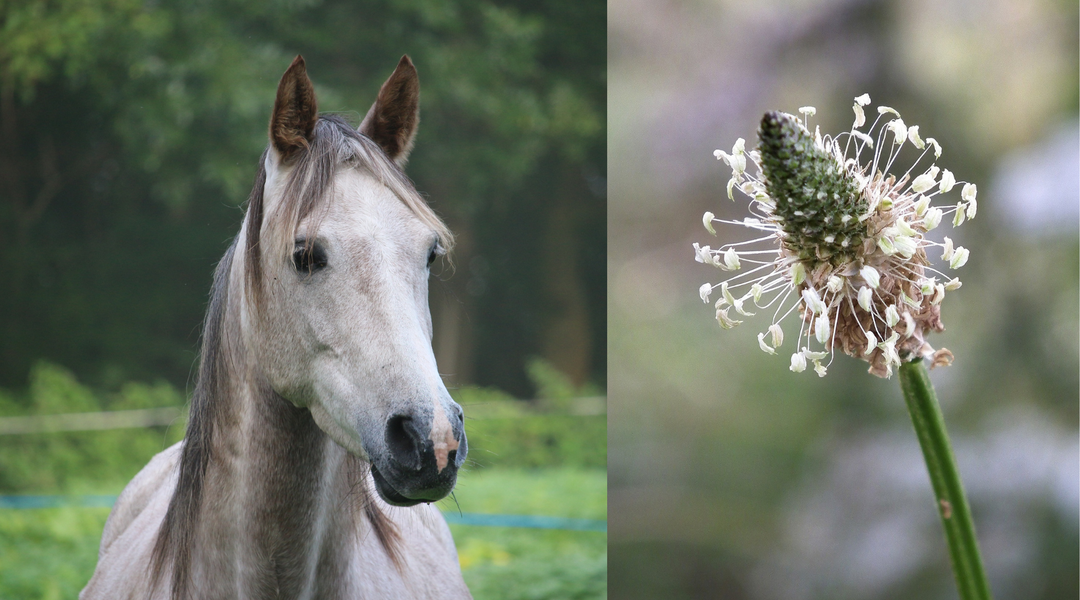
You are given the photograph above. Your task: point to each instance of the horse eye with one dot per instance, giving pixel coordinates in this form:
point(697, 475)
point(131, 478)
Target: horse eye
point(308, 259)
point(436, 252)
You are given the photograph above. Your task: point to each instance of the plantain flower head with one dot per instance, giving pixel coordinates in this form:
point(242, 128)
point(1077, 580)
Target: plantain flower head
point(840, 241)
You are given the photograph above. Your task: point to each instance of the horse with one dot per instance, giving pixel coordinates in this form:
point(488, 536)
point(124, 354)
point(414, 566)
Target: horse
point(320, 430)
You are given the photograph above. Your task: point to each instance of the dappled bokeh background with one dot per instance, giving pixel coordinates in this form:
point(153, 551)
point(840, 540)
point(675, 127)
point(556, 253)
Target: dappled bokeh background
point(731, 477)
point(130, 132)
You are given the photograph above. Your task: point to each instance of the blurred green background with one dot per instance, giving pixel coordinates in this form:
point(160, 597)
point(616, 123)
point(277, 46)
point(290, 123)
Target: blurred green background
point(129, 136)
point(731, 477)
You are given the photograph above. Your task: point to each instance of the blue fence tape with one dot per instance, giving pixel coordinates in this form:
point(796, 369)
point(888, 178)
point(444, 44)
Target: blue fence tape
point(56, 501)
point(453, 518)
point(526, 521)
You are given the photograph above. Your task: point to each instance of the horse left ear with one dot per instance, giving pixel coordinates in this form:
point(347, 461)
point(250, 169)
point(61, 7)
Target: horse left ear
point(392, 120)
point(292, 125)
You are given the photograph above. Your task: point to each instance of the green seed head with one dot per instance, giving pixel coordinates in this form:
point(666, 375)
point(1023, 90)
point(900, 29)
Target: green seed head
point(817, 200)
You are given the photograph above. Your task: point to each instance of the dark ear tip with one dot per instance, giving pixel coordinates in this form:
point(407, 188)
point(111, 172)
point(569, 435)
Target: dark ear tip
point(406, 64)
point(298, 62)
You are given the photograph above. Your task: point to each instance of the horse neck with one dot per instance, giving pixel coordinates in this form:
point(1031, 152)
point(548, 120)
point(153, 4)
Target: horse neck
point(276, 499)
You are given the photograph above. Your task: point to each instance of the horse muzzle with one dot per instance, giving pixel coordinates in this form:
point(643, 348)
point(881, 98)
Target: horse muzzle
point(421, 457)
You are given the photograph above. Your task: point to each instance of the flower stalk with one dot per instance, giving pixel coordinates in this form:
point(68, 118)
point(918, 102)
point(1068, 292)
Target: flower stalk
point(948, 490)
point(841, 244)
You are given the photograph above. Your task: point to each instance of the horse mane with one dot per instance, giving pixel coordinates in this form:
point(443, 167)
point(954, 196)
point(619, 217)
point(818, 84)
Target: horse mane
point(176, 536)
point(307, 189)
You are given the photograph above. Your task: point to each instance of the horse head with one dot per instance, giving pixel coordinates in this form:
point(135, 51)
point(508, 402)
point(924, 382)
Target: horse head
point(338, 247)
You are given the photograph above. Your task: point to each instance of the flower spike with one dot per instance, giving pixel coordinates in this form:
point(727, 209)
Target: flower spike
point(839, 243)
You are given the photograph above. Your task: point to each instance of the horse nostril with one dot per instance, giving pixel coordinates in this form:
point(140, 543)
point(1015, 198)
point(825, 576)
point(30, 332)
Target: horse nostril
point(404, 441)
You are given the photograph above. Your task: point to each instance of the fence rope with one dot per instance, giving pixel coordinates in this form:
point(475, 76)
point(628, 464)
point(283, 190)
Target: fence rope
point(114, 419)
point(453, 518)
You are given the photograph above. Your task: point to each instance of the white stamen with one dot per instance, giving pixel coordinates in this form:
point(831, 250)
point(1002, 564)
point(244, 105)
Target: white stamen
point(866, 296)
point(920, 206)
point(764, 347)
point(906, 245)
point(913, 137)
point(932, 218)
point(798, 273)
point(909, 324)
point(937, 147)
point(821, 328)
point(969, 192)
point(926, 286)
point(960, 257)
point(798, 363)
point(958, 217)
point(813, 301)
point(947, 252)
point(871, 343)
point(777, 334)
point(947, 181)
point(704, 291)
point(892, 316)
point(725, 321)
point(871, 276)
point(819, 369)
point(731, 260)
point(939, 294)
point(923, 183)
point(860, 116)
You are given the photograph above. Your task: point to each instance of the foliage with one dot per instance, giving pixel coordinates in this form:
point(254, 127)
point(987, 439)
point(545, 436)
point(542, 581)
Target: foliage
point(505, 432)
point(131, 130)
point(48, 553)
point(538, 440)
point(83, 461)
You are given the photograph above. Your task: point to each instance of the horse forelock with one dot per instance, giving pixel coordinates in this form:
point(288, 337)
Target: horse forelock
point(306, 192)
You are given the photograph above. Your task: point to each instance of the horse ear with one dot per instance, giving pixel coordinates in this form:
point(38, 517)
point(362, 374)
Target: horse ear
point(295, 112)
point(392, 120)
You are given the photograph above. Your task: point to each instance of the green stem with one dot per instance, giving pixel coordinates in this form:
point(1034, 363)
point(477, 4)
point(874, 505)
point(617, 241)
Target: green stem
point(951, 502)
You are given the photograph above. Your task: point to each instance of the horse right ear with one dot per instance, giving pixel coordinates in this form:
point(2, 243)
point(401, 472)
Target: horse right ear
point(391, 122)
point(295, 113)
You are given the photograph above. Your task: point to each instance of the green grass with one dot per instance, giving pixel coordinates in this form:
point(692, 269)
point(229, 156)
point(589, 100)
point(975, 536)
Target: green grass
point(533, 564)
point(51, 553)
point(525, 459)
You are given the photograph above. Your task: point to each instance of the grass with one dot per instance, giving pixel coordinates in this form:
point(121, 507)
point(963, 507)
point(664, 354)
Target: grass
point(49, 554)
point(525, 459)
point(533, 564)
